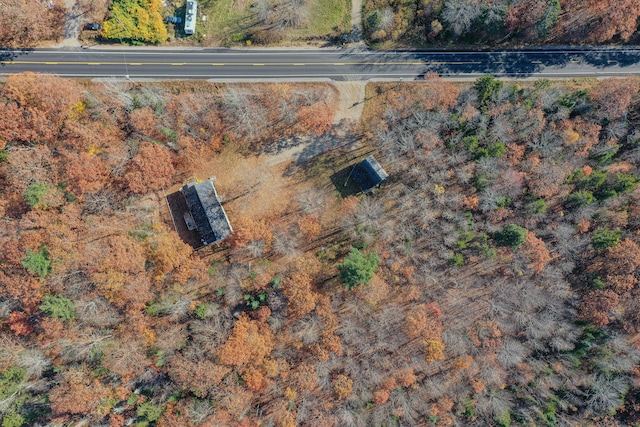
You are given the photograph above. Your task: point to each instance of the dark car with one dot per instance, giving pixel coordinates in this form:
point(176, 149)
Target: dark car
point(93, 26)
point(173, 20)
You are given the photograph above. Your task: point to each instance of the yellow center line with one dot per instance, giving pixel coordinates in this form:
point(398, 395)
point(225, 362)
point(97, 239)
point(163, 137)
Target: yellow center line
point(245, 64)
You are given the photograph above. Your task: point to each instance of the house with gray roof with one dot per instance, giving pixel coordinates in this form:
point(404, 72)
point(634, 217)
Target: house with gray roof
point(368, 174)
point(206, 213)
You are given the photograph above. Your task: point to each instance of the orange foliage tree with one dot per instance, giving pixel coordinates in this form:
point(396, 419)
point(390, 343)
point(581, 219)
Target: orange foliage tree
point(250, 342)
point(167, 251)
point(597, 305)
point(150, 169)
point(37, 105)
point(197, 377)
point(86, 172)
point(316, 118)
point(77, 393)
point(301, 299)
point(535, 250)
point(613, 97)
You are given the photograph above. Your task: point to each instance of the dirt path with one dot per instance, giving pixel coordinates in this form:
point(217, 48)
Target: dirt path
point(351, 101)
point(347, 115)
point(356, 21)
point(71, 25)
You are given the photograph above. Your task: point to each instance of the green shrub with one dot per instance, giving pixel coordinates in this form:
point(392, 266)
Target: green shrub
point(625, 183)
point(604, 238)
point(38, 263)
point(549, 18)
point(13, 420)
point(10, 381)
point(4, 156)
point(481, 153)
point(595, 181)
point(148, 412)
point(169, 133)
point(606, 156)
point(470, 143)
point(536, 207)
point(35, 193)
point(58, 307)
point(512, 235)
point(372, 21)
point(469, 409)
point(457, 260)
point(580, 198)
point(503, 419)
point(255, 300)
point(201, 311)
point(481, 245)
point(487, 86)
point(358, 269)
point(135, 21)
point(497, 149)
point(597, 283)
point(480, 181)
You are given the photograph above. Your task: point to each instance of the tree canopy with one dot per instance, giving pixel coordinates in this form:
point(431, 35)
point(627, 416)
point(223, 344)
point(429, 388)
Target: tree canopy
point(358, 269)
point(135, 21)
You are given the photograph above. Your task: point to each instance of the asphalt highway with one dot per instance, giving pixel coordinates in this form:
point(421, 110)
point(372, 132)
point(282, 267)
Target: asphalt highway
point(317, 64)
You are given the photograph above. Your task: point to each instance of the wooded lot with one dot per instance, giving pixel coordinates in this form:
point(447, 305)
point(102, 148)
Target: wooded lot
point(491, 280)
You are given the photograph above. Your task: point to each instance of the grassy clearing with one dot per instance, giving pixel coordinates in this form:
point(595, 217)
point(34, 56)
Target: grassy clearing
point(228, 21)
point(232, 22)
point(326, 17)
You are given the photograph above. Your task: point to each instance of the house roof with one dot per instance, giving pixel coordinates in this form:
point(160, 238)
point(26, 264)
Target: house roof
point(368, 174)
point(207, 211)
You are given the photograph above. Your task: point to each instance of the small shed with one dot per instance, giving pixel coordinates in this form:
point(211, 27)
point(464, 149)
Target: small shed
point(368, 174)
point(206, 212)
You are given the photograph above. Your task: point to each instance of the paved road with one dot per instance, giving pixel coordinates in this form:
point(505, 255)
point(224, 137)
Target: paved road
point(313, 64)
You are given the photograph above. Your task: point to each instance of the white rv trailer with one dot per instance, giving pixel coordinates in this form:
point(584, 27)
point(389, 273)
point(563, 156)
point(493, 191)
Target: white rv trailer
point(190, 17)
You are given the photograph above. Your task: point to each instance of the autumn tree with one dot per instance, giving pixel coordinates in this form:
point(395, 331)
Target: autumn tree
point(77, 393)
point(316, 118)
point(150, 169)
point(167, 251)
point(86, 172)
point(342, 386)
point(536, 251)
point(301, 299)
point(613, 97)
point(597, 305)
point(29, 22)
point(197, 377)
point(36, 105)
point(250, 342)
point(135, 21)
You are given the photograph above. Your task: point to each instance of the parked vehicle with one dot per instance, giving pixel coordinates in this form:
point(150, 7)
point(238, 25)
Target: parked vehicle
point(173, 20)
point(93, 26)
